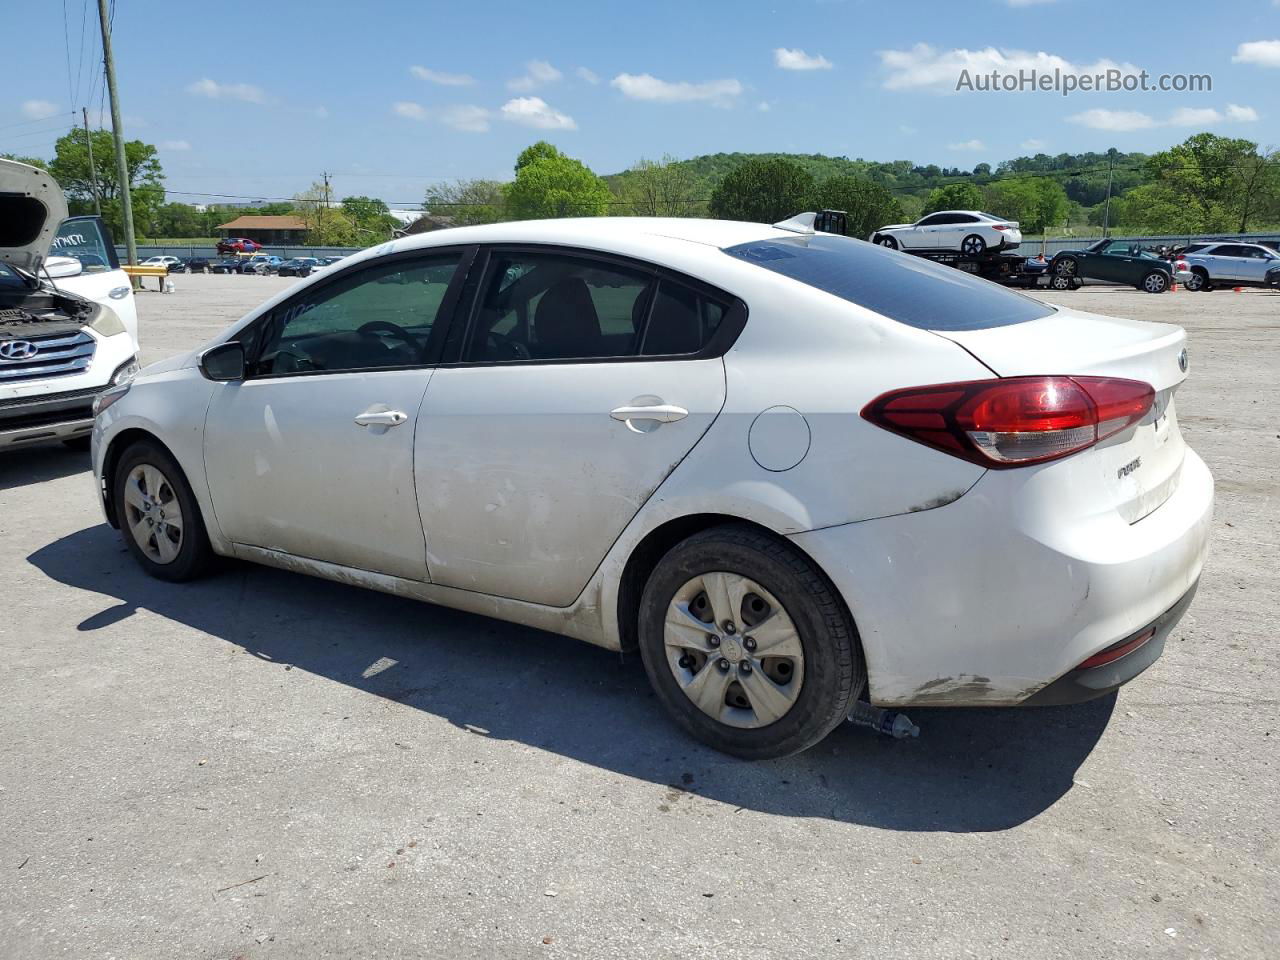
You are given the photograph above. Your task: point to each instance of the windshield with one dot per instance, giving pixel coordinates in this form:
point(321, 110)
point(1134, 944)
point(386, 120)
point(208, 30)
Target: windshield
point(86, 239)
point(904, 288)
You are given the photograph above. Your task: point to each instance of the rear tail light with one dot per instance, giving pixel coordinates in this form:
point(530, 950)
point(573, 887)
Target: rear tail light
point(1001, 226)
point(1016, 421)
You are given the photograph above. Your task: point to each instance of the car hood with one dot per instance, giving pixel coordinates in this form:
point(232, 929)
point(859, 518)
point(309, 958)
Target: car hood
point(31, 210)
point(897, 226)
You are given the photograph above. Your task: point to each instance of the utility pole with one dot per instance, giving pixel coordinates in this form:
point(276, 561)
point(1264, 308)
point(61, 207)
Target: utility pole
point(93, 172)
point(1106, 211)
point(117, 130)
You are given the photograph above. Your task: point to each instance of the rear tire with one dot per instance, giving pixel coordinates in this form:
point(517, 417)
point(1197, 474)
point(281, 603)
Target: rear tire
point(152, 497)
point(1061, 281)
point(765, 704)
point(973, 245)
point(1155, 282)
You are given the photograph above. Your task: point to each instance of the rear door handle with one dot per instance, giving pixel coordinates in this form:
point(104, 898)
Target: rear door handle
point(382, 418)
point(661, 412)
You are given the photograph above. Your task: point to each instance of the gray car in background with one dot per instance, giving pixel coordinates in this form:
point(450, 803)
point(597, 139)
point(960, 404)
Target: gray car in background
point(1229, 264)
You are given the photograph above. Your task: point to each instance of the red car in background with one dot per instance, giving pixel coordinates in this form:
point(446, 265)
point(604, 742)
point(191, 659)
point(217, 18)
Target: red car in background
point(238, 245)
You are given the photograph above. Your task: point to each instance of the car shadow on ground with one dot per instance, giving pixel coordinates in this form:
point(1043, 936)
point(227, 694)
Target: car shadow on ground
point(971, 770)
point(27, 466)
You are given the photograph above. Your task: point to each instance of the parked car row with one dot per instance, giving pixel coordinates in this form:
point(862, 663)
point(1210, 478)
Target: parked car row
point(261, 264)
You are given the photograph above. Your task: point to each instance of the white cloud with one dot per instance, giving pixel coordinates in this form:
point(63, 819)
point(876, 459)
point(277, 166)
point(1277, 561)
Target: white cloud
point(797, 59)
point(645, 86)
point(320, 113)
point(175, 145)
point(247, 92)
point(443, 79)
point(465, 117)
point(1263, 53)
point(925, 68)
point(536, 112)
point(1126, 121)
point(974, 144)
point(907, 129)
point(1194, 117)
point(1033, 144)
point(763, 106)
point(409, 110)
point(588, 75)
point(39, 109)
point(1119, 121)
point(538, 74)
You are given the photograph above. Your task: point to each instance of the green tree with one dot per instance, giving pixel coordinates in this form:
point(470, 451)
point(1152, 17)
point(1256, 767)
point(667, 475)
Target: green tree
point(468, 201)
point(29, 161)
point(954, 196)
point(1225, 181)
point(327, 225)
point(661, 188)
point(536, 151)
point(70, 167)
point(1151, 208)
point(764, 191)
point(553, 185)
point(175, 220)
point(370, 219)
point(1037, 203)
point(868, 205)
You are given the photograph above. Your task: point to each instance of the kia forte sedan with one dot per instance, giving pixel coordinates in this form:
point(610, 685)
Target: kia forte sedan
point(791, 469)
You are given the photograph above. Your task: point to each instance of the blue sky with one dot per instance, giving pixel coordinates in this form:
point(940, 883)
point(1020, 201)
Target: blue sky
point(391, 96)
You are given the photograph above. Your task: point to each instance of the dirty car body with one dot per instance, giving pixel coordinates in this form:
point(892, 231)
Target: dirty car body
point(530, 420)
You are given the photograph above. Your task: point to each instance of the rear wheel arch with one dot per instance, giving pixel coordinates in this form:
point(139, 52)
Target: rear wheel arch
point(653, 547)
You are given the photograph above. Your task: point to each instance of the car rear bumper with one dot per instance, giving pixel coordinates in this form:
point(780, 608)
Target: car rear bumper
point(988, 601)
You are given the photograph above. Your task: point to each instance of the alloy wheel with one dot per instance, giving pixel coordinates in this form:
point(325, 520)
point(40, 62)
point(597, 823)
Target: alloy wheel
point(153, 513)
point(733, 650)
point(1154, 283)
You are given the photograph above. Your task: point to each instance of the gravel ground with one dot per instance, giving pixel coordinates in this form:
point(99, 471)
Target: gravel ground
point(264, 765)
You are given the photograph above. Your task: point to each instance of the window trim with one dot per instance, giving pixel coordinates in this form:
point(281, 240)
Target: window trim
point(467, 314)
point(439, 330)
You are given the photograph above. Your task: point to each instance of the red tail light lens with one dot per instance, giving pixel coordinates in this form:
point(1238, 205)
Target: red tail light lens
point(1016, 421)
point(1001, 226)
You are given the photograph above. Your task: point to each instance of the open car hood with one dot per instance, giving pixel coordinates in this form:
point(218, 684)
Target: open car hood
point(32, 208)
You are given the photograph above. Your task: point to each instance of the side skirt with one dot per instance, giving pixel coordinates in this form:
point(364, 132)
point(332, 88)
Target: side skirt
point(580, 621)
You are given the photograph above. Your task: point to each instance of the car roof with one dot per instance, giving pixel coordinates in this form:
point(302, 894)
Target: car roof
point(602, 232)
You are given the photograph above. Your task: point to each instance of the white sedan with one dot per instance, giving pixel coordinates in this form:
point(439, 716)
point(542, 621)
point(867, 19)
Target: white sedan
point(971, 233)
point(793, 470)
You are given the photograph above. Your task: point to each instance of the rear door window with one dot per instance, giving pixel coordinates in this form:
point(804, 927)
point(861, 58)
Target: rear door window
point(904, 288)
point(682, 320)
point(86, 239)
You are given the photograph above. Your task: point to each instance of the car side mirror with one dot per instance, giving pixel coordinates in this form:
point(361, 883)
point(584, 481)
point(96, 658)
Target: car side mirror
point(59, 267)
point(225, 362)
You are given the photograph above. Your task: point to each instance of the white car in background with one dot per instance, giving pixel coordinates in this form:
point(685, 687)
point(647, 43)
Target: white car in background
point(68, 324)
point(165, 261)
point(792, 469)
point(1228, 262)
point(968, 232)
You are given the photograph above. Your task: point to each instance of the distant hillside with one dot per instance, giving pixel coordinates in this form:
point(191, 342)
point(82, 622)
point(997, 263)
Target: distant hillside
point(1082, 175)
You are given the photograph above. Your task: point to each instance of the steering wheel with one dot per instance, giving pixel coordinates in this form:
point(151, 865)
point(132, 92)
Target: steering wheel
point(498, 345)
point(386, 326)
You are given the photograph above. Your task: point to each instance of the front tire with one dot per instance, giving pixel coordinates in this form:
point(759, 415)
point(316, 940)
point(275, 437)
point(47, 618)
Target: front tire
point(747, 644)
point(158, 514)
point(889, 242)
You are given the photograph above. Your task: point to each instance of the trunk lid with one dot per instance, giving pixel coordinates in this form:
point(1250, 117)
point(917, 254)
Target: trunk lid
point(31, 208)
point(1136, 470)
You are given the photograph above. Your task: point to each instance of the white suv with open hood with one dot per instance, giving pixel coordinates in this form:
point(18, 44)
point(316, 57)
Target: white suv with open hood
point(68, 322)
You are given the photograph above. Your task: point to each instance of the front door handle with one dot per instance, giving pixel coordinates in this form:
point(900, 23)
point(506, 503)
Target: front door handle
point(382, 418)
point(661, 412)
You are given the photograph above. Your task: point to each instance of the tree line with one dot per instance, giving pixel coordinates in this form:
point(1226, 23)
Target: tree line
point(1207, 184)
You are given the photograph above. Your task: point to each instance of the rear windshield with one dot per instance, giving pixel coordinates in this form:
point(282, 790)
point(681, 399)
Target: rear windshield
point(899, 286)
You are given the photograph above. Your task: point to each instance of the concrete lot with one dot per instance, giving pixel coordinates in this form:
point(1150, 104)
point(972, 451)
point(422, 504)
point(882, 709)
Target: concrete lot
point(264, 765)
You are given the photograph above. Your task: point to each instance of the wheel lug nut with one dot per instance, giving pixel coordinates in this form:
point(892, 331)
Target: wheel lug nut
point(723, 664)
point(749, 642)
point(729, 627)
point(713, 640)
point(744, 667)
